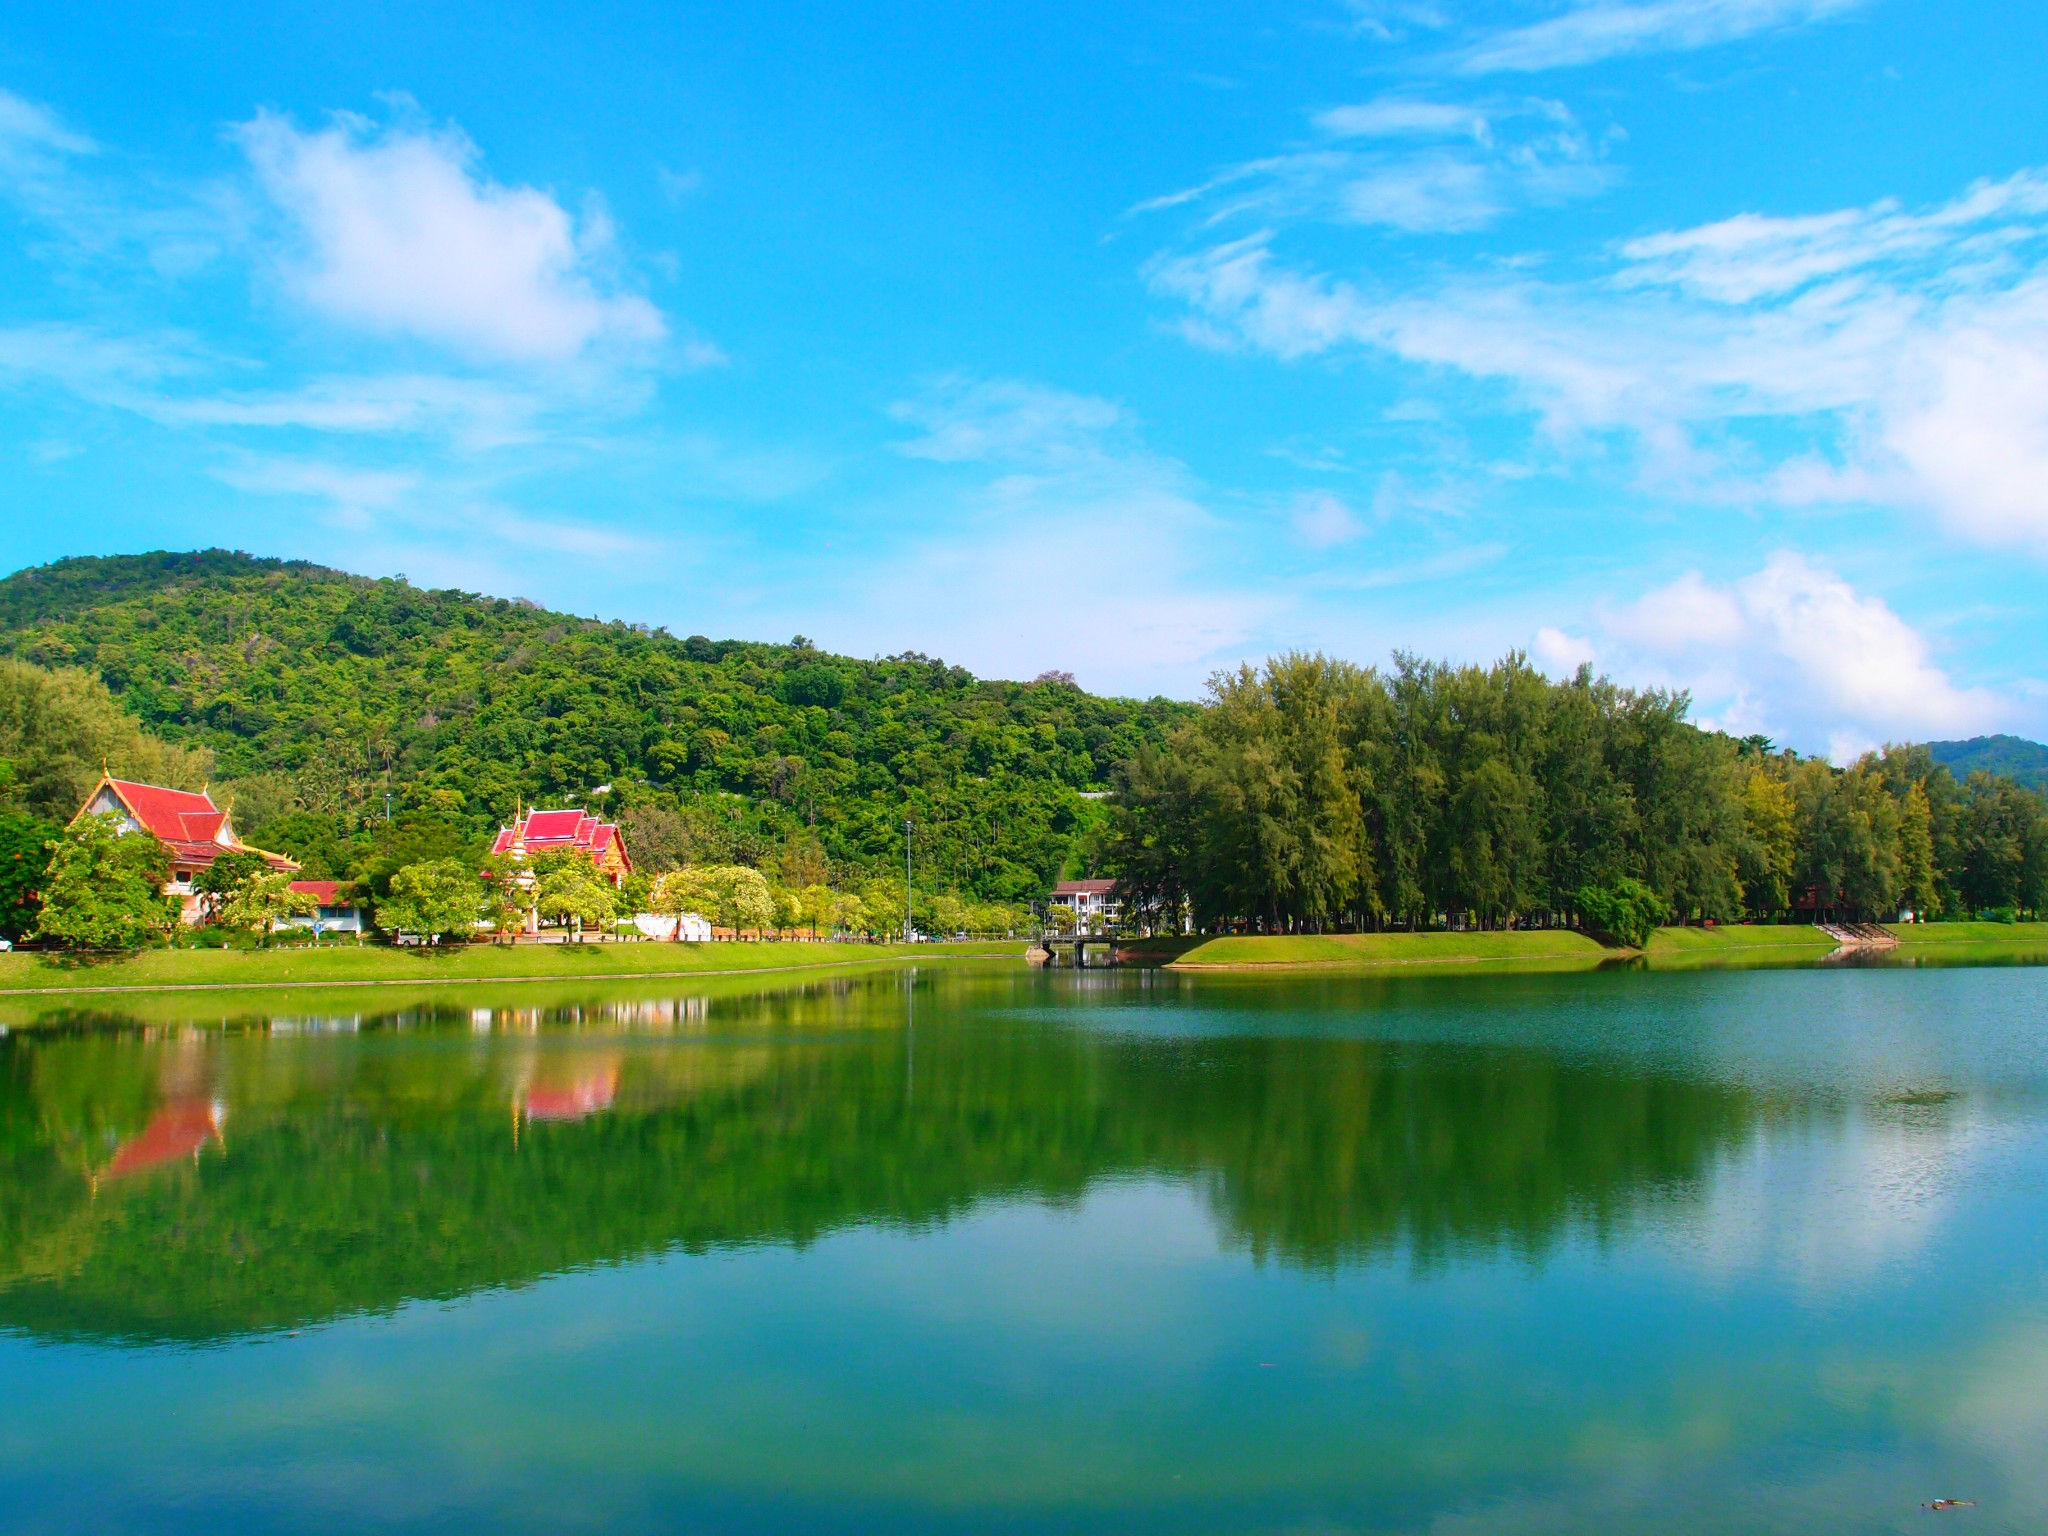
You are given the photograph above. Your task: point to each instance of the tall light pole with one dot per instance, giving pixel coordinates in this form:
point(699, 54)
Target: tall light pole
point(908, 898)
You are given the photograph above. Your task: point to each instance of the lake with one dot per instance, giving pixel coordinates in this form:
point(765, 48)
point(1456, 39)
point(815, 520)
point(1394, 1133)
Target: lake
point(975, 1249)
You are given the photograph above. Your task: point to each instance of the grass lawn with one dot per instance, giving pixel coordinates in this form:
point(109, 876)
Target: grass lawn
point(1350, 950)
point(1547, 949)
point(1724, 938)
point(372, 965)
point(1915, 934)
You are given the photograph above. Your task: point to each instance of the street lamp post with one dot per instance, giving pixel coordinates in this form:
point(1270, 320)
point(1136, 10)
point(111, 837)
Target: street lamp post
point(908, 897)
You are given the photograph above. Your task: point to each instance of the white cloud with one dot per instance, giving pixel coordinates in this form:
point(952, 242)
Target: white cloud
point(1324, 521)
point(1586, 33)
point(1413, 165)
point(32, 141)
point(1856, 656)
point(474, 414)
point(354, 496)
point(1906, 353)
point(1686, 613)
point(1969, 428)
point(1561, 654)
point(1104, 573)
point(971, 420)
point(1791, 645)
point(1751, 256)
point(1404, 117)
point(88, 362)
point(395, 231)
point(417, 522)
point(1057, 541)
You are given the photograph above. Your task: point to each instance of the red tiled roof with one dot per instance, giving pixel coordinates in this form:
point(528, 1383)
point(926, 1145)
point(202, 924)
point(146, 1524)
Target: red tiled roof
point(188, 824)
point(1084, 888)
point(326, 892)
point(548, 831)
point(165, 812)
point(549, 825)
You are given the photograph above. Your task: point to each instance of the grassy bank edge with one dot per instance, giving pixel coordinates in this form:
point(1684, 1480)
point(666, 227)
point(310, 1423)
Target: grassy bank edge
point(260, 970)
point(1735, 944)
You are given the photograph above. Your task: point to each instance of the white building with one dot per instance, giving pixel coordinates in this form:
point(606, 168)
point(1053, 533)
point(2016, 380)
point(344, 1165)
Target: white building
point(662, 925)
point(1094, 903)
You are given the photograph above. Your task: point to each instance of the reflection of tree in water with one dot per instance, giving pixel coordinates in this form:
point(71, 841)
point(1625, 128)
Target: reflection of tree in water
point(363, 1169)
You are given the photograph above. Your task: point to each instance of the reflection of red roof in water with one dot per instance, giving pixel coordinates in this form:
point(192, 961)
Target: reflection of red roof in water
point(179, 1129)
point(588, 1093)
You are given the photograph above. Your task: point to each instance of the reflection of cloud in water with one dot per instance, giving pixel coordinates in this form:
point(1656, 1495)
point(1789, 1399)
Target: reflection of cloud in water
point(1828, 1205)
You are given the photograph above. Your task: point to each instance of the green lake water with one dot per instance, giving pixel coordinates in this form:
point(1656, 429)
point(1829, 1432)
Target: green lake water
point(986, 1250)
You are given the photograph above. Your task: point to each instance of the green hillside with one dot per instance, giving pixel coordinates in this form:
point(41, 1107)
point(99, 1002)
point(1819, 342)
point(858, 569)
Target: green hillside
point(319, 693)
point(2011, 757)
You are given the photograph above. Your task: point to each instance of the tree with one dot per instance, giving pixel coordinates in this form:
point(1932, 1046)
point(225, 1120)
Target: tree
point(815, 902)
point(258, 903)
point(684, 892)
point(1917, 876)
point(1770, 842)
point(24, 865)
point(742, 897)
point(572, 891)
point(849, 914)
point(433, 899)
point(949, 914)
point(224, 878)
point(881, 905)
point(104, 889)
point(1626, 909)
point(506, 898)
point(59, 728)
point(789, 907)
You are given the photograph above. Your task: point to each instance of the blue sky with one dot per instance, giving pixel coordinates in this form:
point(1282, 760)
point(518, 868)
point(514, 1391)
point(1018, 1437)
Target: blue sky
point(1703, 339)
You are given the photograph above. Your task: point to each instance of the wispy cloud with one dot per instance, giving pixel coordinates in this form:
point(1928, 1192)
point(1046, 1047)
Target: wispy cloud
point(963, 419)
point(33, 142)
point(1411, 164)
point(1586, 33)
point(1907, 350)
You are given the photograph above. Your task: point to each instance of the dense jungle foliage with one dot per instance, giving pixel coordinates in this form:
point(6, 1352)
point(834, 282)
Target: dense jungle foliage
point(313, 695)
point(1315, 794)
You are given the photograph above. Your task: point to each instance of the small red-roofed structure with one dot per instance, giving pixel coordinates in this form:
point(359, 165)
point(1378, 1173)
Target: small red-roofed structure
point(337, 913)
point(191, 827)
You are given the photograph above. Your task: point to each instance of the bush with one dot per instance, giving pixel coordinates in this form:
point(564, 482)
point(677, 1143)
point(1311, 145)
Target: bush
point(1625, 909)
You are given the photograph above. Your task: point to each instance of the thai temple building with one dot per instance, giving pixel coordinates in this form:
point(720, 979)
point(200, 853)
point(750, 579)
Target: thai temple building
point(191, 826)
point(539, 832)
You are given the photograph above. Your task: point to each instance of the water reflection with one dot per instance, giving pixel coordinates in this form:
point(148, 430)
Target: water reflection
point(187, 1183)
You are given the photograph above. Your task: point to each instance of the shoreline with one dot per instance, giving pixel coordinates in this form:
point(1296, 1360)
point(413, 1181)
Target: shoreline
point(27, 977)
point(244, 969)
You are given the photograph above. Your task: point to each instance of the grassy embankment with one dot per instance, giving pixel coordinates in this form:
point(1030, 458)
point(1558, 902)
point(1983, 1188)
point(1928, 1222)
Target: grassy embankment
point(1551, 949)
point(1669, 948)
point(376, 965)
point(2001, 935)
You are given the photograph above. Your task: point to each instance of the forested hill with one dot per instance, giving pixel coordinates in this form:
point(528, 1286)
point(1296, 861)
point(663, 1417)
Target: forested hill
point(319, 692)
point(2012, 757)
